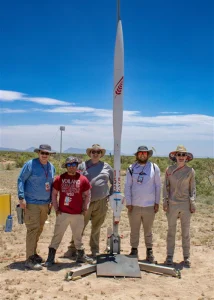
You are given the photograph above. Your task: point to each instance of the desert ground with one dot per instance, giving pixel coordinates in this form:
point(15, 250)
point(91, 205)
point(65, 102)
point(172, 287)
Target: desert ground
point(18, 283)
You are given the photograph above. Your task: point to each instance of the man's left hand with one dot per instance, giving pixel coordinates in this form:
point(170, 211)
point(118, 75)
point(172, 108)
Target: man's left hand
point(156, 207)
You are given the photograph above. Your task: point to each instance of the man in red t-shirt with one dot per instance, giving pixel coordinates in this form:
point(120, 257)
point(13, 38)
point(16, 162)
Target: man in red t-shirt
point(74, 198)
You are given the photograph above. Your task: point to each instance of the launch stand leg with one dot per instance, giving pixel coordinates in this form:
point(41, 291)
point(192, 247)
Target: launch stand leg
point(158, 269)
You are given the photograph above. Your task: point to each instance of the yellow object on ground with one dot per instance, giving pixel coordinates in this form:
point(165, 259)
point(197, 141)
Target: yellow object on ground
point(5, 207)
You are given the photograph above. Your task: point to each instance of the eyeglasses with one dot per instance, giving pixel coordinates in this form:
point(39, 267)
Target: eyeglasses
point(142, 152)
point(44, 153)
point(73, 164)
point(181, 154)
point(94, 152)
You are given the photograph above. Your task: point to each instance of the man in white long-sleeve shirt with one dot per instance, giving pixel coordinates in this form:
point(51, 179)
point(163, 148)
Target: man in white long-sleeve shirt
point(142, 193)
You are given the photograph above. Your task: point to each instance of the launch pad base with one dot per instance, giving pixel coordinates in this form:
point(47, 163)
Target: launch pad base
point(117, 265)
point(109, 265)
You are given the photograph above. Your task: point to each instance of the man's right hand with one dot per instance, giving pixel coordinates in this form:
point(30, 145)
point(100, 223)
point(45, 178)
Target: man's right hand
point(22, 204)
point(165, 205)
point(129, 207)
point(165, 208)
point(58, 212)
point(84, 213)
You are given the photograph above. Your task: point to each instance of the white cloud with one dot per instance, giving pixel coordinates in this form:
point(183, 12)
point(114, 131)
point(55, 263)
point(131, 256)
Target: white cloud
point(12, 111)
point(171, 112)
point(45, 101)
point(68, 109)
point(164, 132)
point(194, 131)
point(9, 96)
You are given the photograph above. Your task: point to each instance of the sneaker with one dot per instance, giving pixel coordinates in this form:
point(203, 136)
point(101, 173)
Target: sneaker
point(38, 258)
point(169, 261)
point(32, 264)
point(150, 257)
point(70, 253)
point(187, 262)
point(134, 252)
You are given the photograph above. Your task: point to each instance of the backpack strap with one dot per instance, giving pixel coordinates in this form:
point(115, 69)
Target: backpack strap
point(130, 170)
point(82, 167)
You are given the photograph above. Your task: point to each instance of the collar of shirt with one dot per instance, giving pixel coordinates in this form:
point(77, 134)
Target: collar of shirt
point(138, 168)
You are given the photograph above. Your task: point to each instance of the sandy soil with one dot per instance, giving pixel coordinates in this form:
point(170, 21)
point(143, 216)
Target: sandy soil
point(18, 283)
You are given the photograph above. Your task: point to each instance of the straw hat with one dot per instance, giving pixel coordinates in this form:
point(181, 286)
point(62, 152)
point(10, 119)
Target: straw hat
point(96, 147)
point(181, 149)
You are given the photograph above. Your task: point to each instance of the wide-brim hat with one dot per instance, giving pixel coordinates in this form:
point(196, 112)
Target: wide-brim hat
point(71, 159)
point(45, 148)
point(96, 147)
point(181, 149)
point(144, 149)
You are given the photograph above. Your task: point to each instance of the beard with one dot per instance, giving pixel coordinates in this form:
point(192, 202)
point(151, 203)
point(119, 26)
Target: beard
point(142, 161)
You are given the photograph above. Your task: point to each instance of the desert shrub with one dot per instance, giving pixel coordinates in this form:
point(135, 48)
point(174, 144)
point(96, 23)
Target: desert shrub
point(21, 160)
point(204, 176)
point(8, 166)
point(206, 199)
point(162, 163)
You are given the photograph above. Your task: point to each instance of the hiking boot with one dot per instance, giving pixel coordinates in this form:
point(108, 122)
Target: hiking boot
point(187, 262)
point(150, 257)
point(134, 252)
point(82, 258)
point(169, 260)
point(38, 258)
point(70, 253)
point(32, 264)
point(94, 253)
point(51, 256)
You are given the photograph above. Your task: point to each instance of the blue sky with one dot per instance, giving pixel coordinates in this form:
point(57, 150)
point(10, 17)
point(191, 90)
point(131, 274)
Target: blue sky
point(56, 68)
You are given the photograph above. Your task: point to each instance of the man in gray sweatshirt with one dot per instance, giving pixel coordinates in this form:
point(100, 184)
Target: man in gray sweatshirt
point(98, 173)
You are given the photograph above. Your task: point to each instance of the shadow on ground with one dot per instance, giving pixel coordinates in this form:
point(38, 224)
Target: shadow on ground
point(56, 267)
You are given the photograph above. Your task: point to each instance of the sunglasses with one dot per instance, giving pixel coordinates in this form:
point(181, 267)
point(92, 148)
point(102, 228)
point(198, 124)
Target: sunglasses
point(44, 153)
point(73, 164)
point(181, 154)
point(94, 152)
point(142, 152)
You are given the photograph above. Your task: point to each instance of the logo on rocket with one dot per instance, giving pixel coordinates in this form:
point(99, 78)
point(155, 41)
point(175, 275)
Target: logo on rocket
point(119, 87)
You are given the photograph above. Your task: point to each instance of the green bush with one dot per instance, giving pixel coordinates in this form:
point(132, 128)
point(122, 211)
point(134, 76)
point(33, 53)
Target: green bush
point(204, 167)
point(9, 167)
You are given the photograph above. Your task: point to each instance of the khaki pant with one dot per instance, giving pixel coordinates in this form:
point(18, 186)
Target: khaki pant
point(146, 216)
point(96, 213)
point(35, 217)
point(183, 211)
point(76, 223)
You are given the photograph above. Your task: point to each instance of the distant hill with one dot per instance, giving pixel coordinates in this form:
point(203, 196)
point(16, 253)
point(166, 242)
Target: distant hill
point(69, 150)
point(74, 150)
point(31, 149)
point(9, 149)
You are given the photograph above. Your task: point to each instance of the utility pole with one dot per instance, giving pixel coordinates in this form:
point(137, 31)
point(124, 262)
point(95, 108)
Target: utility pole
point(62, 128)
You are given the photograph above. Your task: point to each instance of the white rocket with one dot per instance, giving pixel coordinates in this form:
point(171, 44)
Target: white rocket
point(116, 199)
